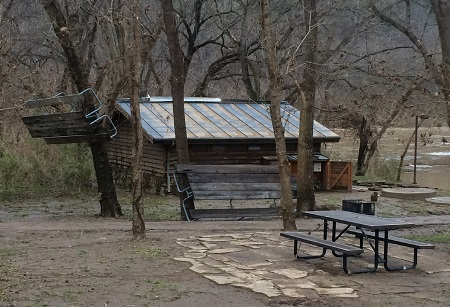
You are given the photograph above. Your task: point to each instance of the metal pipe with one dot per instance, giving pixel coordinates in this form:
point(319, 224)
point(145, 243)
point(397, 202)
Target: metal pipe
point(169, 185)
point(415, 149)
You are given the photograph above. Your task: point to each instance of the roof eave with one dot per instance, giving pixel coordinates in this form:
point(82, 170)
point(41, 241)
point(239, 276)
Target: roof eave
point(245, 140)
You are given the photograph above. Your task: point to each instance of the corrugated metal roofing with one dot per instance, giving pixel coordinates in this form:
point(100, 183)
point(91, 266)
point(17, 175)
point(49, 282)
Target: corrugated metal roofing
point(213, 118)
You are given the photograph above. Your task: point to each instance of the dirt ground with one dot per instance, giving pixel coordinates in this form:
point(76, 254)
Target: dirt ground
point(56, 252)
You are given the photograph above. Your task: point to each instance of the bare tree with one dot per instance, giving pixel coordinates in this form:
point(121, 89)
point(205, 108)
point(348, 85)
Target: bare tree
point(268, 41)
point(441, 11)
point(78, 62)
point(440, 72)
point(369, 136)
point(177, 82)
point(137, 151)
point(5, 7)
point(306, 198)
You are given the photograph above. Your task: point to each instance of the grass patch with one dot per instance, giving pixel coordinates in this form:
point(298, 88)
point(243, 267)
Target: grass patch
point(156, 208)
point(380, 169)
point(419, 210)
point(7, 252)
point(431, 238)
point(82, 253)
point(152, 252)
point(7, 270)
point(163, 291)
point(329, 201)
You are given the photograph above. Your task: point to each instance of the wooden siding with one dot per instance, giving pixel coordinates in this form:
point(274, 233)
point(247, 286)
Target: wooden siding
point(156, 155)
point(119, 151)
point(239, 153)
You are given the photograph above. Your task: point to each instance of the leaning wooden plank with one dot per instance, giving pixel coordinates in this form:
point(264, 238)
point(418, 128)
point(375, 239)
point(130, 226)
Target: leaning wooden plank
point(249, 169)
point(78, 139)
point(61, 123)
point(46, 102)
point(61, 131)
point(226, 195)
point(66, 116)
point(232, 186)
point(227, 177)
point(235, 213)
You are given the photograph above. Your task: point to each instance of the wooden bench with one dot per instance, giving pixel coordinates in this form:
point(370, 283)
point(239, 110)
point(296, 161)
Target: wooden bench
point(68, 127)
point(416, 245)
point(228, 182)
point(345, 250)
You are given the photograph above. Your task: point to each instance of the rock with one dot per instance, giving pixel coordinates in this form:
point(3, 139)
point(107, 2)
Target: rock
point(375, 188)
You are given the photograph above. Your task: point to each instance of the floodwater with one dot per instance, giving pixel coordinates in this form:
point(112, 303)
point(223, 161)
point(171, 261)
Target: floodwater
point(433, 154)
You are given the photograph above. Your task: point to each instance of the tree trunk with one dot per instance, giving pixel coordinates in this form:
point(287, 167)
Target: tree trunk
point(441, 11)
point(109, 206)
point(137, 151)
point(177, 82)
point(287, 207)
point(246, 73)
point(305, 194)
point(370, 153)
point(364, 137)
point(403, 155)
point(108, 197)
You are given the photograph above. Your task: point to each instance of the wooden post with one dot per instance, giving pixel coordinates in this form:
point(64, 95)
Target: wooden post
point(349, 177)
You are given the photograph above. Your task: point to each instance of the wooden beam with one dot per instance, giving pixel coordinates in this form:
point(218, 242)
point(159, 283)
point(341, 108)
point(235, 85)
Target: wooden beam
point(326, 175)
point(46, 102)
point(77, 139)
point(349, 178)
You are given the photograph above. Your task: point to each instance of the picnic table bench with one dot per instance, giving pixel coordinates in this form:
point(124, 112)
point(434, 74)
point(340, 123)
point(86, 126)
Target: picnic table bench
point(415, 245)
point(228, 182)
point(344, 249)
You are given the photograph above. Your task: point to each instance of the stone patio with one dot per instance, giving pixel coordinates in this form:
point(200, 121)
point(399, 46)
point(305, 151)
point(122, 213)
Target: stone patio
point(264, 263)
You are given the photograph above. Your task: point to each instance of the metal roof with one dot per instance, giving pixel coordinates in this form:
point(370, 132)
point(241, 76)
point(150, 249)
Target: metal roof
point(217, 119)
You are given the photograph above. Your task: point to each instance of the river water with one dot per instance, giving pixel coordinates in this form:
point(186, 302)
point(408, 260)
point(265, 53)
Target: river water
point(433, 154)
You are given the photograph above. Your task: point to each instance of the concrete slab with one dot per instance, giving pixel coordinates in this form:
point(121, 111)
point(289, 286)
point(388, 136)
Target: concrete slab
point(291, 273)
point(296, 293)
point(408, 193)
point(439, 200)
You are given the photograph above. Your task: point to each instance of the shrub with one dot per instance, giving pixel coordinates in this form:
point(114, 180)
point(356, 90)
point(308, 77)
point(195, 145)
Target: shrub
point(34, 168)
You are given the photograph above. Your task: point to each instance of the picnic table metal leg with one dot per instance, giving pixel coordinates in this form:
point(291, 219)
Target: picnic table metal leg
point(334, 237)
point(386, 249)
point(376, 258)
point(324, 250)
point(365, 237)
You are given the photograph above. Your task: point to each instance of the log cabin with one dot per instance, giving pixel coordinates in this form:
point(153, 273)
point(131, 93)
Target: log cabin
point(219, 131)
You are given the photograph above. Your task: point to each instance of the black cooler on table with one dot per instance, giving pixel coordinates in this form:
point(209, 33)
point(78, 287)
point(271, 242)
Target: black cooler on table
point(358, 206)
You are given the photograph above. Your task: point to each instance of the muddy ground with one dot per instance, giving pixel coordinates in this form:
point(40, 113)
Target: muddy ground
point(56, 252)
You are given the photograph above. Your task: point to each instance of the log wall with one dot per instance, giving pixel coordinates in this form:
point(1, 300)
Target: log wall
point(154, 159)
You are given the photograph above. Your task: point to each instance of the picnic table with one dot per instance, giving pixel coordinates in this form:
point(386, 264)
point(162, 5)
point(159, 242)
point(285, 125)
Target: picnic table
point(368, 228)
